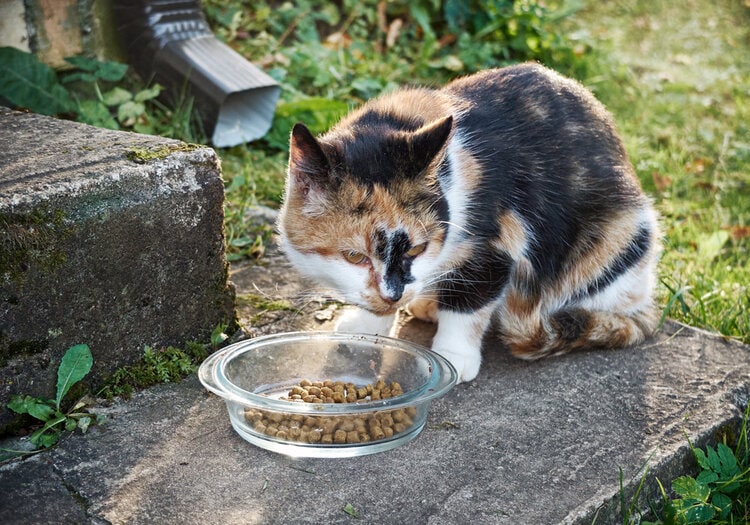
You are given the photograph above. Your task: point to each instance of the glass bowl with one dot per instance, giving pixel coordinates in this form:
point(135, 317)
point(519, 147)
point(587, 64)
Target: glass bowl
point(396, 381)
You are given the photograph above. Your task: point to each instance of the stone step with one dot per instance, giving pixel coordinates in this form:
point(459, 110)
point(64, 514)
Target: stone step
point(107, 238)
point(532, 443)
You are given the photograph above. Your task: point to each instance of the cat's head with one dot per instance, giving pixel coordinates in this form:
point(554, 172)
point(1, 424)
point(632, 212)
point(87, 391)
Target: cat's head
point(363, 211)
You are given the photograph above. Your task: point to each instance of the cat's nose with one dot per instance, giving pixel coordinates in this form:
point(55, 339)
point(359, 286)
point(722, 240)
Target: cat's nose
point(391, 297)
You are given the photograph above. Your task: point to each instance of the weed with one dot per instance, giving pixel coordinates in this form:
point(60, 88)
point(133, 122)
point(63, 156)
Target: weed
point(719, 494)
point(94, 92)
point(158, 365)
point(75, 365)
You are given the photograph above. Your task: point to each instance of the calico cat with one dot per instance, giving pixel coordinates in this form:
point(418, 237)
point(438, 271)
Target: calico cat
point(505, 195)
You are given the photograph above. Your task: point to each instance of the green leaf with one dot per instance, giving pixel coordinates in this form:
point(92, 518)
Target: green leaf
point(109, 71)
point(707, 476)
point(148, 94)
point(84, 423)
point(729, 467)
point(713, 460)
point(688, 487)
point(28, 83)
point(75, 364)
point(112, 71)
point(701, 458)
point(130, 111)
point(96, 114)
point(351, 511)
point(35, 407)
point(44, 438)
point(78, 76)
point(700, 513)
point(723, 503)
point(70, 424)
point(116, 96)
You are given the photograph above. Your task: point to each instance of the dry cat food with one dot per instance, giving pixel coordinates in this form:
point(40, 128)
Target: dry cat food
point(335, 429)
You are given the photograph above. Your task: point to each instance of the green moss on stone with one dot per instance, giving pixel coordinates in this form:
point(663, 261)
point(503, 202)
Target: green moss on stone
point(143, 155)
point(31, 239)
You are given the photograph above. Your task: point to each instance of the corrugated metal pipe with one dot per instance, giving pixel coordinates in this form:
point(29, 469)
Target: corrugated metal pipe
point(171, 42)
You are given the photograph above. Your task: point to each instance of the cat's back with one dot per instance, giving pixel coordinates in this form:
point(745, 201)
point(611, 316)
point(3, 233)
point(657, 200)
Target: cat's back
point(529, 87)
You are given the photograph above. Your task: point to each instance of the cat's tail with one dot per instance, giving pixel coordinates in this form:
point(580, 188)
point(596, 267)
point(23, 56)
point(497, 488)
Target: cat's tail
point(576, 328)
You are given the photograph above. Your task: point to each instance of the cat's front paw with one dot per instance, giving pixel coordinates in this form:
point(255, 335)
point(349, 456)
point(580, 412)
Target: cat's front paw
point(466, 361)
point(424, 307)
point(362, 321)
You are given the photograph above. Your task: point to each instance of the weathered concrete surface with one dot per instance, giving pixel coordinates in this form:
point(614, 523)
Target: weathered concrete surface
point(526, 443)
point(96, 248)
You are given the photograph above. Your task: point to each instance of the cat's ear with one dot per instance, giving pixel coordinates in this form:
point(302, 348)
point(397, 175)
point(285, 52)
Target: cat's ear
point(429, 140)
point(308, 165)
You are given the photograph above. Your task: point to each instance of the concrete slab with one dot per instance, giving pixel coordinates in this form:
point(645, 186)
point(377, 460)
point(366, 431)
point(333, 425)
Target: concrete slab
point(526, 443)
point(99, 246)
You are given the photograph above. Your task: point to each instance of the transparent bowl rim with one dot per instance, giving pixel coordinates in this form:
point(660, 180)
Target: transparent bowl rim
point(212, 375)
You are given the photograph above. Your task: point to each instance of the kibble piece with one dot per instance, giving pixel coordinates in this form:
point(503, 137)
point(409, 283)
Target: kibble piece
point(313, 391)
point(398, 415)
point(327, 439)
point(388, 431)
point(326, 391)
point(399, 427)
point(375, 394)
point(315, 436)
point(305, 383)
point(352, 436)
point(338, 397)
point(328, 383)
point(377, 433)
point(339, 436)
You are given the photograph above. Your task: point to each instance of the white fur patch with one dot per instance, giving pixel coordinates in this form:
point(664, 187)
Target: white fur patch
point(459, 339)
point(364, 322)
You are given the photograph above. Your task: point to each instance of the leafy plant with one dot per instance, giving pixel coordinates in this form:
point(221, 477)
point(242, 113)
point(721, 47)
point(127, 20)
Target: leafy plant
point(718, 495)
point(75, 364)
point(96, 93)
point(26, 82)
point(158, 365)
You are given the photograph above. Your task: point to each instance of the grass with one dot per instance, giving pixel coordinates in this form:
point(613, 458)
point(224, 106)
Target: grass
point(675, 75)
point(677, 78)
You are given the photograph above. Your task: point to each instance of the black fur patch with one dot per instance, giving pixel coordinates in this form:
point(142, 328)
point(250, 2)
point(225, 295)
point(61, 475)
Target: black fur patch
point(628, 258)
point(476, 283)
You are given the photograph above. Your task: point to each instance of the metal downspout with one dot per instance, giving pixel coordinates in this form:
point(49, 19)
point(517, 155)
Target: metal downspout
point(170, 42)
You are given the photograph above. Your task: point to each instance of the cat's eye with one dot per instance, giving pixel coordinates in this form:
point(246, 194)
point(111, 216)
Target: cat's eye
point(354, 257)
point(416, 250)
